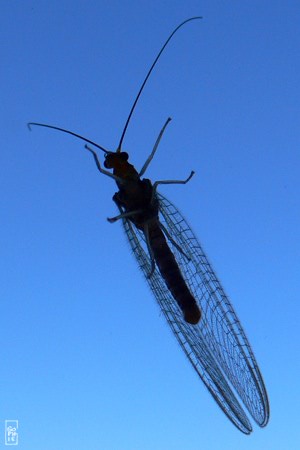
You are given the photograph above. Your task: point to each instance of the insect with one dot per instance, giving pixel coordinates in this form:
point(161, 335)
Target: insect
point(183, 281)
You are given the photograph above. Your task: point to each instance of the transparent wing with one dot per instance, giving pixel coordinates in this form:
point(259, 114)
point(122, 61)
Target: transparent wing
point(217, 347)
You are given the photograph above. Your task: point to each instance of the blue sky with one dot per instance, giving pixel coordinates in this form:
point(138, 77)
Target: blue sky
point(87, 360)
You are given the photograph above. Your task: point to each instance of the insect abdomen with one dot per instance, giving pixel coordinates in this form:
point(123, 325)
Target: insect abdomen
point(170, 271)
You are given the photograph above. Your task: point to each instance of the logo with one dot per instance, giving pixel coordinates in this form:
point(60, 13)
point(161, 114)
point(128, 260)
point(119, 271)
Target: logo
point(11, 432)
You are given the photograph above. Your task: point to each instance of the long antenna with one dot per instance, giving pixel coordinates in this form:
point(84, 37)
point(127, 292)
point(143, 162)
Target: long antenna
point(147, 76)
point(68, 132)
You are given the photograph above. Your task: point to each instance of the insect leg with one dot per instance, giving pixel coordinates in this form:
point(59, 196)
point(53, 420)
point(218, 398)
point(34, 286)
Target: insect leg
point(146, 233)
point(123, 215)
point(173, 242)
point(149, 159)
point(154, 187)
point(105, 172)
point(173, 181)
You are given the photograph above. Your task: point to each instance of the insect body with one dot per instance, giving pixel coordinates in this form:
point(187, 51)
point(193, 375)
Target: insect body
point(184, 283)
point(137, 201)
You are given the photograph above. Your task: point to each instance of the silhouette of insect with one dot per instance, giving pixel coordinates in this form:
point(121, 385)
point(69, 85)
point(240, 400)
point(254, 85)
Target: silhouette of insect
point(183, 281)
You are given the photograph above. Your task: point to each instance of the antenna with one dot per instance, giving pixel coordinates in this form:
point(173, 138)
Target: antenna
point(68, 132)
point(30, 124)
point(147, 76)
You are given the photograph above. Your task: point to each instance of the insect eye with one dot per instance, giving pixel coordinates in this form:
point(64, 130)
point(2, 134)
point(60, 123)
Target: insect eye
point(108, 163)
point(124, 156)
